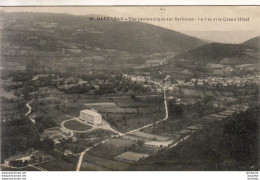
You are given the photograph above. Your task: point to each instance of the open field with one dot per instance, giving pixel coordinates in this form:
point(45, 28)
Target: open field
point(59, 165)
point(128, 102)
point(144, 149)
point(101, 104)
point(169, 127)
point(104, 163)
point(130, 157)
point(149, 136)
point(77, 126)
point(95, 134)
point(119, 142)
point(91, 166)
point(112, 148)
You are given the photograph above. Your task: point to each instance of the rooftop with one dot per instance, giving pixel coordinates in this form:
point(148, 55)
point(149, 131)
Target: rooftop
point(90, 112)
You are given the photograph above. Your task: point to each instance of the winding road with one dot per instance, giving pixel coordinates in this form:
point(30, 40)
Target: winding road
point(63, 128)
point(29, 111)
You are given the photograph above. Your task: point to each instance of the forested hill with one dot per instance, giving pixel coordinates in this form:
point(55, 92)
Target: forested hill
point(231, 144)
point(135, 37)
point(253, 43)
point(218, 52)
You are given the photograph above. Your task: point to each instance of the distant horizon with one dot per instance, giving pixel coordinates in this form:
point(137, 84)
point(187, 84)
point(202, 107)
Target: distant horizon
point(220, 32)
point(230, 37)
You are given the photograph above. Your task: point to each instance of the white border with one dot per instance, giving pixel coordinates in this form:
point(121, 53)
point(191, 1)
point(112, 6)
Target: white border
point(131, 175)
point(239, 175)
point(124, 2)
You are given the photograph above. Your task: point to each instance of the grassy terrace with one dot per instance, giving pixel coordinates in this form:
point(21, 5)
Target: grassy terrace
point(77, 126)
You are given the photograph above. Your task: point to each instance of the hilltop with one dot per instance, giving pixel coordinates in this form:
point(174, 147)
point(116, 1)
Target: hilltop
point(221, 53)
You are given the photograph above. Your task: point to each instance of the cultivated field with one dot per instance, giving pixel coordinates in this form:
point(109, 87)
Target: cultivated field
point(149, 136)
point(103, 163)
point(169, 127)
point(59, 165)
point(112, 148)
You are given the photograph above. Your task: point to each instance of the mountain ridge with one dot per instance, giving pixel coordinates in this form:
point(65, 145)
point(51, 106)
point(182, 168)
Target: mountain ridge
point(216, 52)
point(253, 43)
point(134, 37)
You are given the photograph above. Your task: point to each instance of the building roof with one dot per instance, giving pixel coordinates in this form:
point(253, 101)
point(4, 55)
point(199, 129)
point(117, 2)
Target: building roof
point(92, 113)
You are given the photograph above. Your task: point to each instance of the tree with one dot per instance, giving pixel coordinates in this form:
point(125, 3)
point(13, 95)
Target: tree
point(25, 163)
point(175, 109)
point(154, 121)
point(140, 142)
point(47, 144)
point(133, 96)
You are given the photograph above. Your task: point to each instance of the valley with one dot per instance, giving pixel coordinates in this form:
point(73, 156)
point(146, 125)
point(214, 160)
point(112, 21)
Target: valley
point(155, 89)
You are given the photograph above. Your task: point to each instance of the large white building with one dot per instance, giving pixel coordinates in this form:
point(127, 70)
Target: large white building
point(91, 117)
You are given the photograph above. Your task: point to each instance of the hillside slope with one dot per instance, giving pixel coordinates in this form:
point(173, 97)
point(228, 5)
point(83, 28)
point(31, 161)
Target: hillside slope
point(231, 145)
point(253, 43)
point(220, 53)
point(127, 36)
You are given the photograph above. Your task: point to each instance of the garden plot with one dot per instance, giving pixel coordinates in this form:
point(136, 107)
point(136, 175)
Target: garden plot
point(111, 104)
point(130, 103)
point(112, 148)
point(149, 136)
point(76, 126)
point(54, 133)
point(103, 163)
point(89, 166)
point(109, 107)
point(130, 157)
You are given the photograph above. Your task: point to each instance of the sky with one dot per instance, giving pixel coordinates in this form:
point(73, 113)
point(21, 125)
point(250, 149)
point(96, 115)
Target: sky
point(214, 30)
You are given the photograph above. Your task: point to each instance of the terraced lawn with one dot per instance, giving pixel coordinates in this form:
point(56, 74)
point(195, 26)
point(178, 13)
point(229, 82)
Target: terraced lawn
point(76, 126)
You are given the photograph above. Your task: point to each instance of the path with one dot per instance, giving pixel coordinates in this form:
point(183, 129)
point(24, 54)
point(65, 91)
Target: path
point(29, 111)
point(36, 167)
point(164, 119)
point(141, 96)
point(63, 128)
point(182, 139)
point(58, 135)
point(83, 153)
point(164, 60)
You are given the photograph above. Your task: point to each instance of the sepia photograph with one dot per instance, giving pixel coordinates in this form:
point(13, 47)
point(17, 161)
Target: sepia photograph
point(129, 88)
